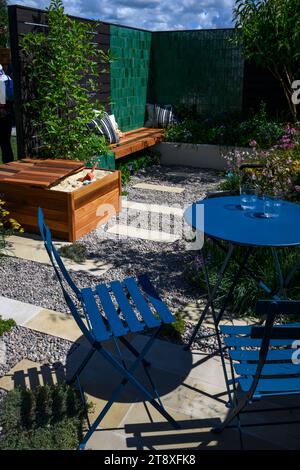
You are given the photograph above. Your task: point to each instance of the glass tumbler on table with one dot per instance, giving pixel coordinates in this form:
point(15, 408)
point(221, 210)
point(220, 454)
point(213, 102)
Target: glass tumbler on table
point(272, 206)
point(248, 197)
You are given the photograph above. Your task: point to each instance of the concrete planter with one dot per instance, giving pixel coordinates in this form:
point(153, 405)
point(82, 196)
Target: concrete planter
point(195, 155)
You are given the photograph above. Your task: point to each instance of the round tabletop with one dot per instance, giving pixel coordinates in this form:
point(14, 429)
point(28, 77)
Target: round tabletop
point(224, 219)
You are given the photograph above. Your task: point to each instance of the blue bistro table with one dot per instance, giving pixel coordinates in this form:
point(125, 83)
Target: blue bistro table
point(225, 220)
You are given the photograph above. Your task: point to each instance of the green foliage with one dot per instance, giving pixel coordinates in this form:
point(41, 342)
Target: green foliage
point(247, 292)
point(46, 418)
point(8, 225)
point(227, 130)
point(55, 70)
point(133, 163)
point(269, 33)
point(3, 24)
point(6, 325)
point(174, 331)
point(76, 252)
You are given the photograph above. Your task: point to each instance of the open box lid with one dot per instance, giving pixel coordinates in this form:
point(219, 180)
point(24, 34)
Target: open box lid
point(40, 173)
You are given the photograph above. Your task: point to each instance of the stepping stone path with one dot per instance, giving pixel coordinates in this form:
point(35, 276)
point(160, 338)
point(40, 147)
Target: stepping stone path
point(33, 249)
point(159, 187)
point(134, 222)
point(144, 234)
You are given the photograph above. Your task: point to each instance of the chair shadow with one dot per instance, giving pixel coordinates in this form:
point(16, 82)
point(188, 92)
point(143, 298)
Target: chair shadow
point(194, 434)
point(100, 378)
point(35, 377)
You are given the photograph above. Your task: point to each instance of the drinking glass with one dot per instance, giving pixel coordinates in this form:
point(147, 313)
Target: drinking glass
point(248, 197)
point(272, 206)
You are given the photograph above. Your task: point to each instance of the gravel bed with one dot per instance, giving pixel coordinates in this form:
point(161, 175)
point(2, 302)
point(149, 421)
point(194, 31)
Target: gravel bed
point(195, 181)
point(22, 343)
point(35, 283)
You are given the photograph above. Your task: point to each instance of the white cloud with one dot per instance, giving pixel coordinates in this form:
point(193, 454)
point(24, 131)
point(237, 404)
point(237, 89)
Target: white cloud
point(150, 14)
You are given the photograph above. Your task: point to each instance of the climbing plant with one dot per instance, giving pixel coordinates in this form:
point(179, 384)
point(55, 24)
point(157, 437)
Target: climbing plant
point(61, 68)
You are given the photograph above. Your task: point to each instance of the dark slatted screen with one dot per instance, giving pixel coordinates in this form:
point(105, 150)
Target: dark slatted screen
point(24, 20)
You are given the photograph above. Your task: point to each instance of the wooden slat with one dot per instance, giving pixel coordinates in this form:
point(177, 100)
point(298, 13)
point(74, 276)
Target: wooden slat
point(138, 136)
point(41, 173)
point(136, 146)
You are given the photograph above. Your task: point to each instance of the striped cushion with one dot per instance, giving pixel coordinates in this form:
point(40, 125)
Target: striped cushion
point(164, 115)
point(104, 126)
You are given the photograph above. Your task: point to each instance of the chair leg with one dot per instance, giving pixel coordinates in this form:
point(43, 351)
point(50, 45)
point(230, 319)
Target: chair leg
point(134, 351)
point(127, 377)
point(81, 367)
point(233, 413)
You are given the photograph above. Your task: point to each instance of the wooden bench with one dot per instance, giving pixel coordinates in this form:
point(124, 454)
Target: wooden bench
point(136, 140)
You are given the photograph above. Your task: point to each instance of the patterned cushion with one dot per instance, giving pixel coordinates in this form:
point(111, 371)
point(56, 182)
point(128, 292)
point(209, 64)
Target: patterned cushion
point(164, 115)
point(104, 126)
point(159, 115)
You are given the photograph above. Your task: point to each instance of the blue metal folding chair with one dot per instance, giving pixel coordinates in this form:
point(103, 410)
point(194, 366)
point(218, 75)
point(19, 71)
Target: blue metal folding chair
point(263, 360)
point(100, 324)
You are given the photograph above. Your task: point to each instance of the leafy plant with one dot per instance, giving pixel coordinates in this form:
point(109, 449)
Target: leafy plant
point(269, 33)
point(45, 418)
point(174, 331)
point(61, 70)
point(227, 130)
point(6, 325)
point(76, 252)
point(8, 225)
point(247, 291)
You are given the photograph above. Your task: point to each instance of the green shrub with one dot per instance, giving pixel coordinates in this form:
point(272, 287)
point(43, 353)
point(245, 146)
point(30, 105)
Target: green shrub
point(247, 291)
point(76, 252)
point(49, 417)
point(6, 325)
point(174, 331)
point(227, 130)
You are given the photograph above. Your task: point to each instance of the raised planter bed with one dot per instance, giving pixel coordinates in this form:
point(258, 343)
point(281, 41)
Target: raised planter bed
point(195, 155)
point(70, 215)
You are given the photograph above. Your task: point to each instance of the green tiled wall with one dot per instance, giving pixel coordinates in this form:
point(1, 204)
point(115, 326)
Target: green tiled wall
point(200, 68)
point(129, 75)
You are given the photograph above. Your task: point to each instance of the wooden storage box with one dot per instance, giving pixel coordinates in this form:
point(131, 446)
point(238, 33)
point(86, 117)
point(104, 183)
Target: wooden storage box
point(70, 215)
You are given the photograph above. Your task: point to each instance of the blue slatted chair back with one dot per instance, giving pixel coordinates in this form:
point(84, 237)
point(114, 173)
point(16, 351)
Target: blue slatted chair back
point(127, 295)
point(63, 275)
point(263, 355)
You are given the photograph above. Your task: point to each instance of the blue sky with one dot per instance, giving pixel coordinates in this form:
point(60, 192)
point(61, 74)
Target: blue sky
point(156, 15)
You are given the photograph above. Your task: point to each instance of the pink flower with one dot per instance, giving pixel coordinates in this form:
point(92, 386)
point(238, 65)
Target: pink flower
point(253, 143)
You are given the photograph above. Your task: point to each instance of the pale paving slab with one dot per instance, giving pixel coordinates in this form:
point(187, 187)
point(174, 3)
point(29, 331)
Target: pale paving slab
point(144, 234)
point(29, 374)
point(159, 187)
point(139, 206)
point(32, 249)
point(142, 427)
point(194, 364)
point(21, 312)
point(53, 323)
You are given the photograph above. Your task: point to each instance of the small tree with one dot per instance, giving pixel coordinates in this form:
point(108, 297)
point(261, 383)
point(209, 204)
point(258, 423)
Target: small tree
point(61, 70)
point(269, 33)
point(3, 24)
